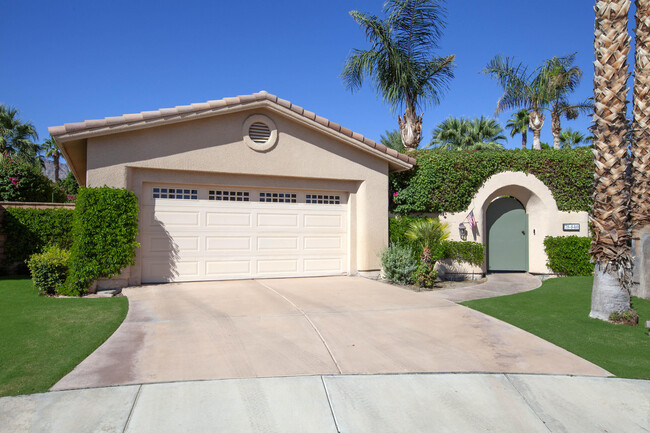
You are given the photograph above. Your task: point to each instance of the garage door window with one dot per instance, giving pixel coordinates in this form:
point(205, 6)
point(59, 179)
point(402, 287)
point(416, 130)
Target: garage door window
point(277, 197)
point(323, 199)
point(175, 193)
point(220, 195)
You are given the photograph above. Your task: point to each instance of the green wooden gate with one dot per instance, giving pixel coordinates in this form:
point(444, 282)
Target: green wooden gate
point(507, 237)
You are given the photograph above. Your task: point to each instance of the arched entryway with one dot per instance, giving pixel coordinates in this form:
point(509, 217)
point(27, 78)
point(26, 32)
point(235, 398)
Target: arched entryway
point(507, 235)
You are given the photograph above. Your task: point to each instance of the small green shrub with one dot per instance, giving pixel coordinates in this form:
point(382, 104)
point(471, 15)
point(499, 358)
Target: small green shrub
point(104, 230)
point(49, 269)
point(397, 228)
point(465, 251)
point(399, 263)
point(29, 231)
point(569, 255)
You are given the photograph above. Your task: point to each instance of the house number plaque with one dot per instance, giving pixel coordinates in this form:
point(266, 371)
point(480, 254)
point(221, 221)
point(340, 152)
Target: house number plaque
point(573, 227)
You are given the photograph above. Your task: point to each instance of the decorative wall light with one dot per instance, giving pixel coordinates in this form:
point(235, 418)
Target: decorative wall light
point(463, 231)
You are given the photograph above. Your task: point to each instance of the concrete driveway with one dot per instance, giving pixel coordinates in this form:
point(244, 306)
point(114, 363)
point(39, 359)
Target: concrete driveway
point(307, 326)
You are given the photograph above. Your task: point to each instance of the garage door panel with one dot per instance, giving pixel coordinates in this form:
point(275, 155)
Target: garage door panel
point(210, 239)
point(228, 219)
point(228, 244)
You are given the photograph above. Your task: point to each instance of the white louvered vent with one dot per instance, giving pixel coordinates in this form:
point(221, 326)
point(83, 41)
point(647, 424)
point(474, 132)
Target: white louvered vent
point(259, 132)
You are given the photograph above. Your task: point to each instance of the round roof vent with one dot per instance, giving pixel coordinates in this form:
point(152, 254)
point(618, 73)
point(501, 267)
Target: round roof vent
point(260, 133)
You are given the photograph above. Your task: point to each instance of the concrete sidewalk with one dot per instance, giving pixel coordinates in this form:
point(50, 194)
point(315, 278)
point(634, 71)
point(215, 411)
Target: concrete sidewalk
point(496, 285)
point(374, 403)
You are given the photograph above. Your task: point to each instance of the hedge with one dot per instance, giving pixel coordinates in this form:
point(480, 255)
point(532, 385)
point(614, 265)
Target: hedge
point(446, 181)
point(569, 255)
point(30, 231)
point(104, 230)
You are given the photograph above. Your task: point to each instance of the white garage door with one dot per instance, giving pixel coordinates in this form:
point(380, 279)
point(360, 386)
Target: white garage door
point(191, 233)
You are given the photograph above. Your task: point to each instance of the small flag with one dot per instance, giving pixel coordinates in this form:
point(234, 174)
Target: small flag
point(471, 219)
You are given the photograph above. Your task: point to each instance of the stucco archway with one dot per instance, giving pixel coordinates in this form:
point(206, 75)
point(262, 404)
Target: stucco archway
point(544, 218)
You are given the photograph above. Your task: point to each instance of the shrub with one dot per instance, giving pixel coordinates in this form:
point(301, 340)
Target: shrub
point(446, 181)
point(569, 255)
point(104, 230)
point(399, 263)
point(29, 231)
point(425, 275)
point(69, 185)
point(49, 269)
point(23, 182)
point(465, 251)
point(397, 228)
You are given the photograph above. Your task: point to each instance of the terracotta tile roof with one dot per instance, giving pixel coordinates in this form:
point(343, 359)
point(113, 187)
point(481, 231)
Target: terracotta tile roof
point(164, 113)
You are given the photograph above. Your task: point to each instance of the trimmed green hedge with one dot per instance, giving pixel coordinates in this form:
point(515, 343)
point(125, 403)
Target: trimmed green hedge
point(569, 255)
point(446, 181)
point(104, 230)
point(29, 231)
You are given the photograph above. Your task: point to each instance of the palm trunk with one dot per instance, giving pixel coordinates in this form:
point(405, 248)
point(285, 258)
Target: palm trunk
point(610, 247)
point(410, 128)
point(556, 129)
point(640, 150)
point(535, 123)
point(524, 139)
point(56, 168)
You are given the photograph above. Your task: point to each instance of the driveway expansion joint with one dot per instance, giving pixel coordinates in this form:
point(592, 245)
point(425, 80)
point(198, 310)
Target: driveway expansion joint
point(525, 400)
point(135, 401)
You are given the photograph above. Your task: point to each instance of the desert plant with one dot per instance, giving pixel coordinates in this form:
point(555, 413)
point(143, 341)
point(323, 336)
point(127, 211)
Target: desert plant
point(49, 269)
point(399, 263)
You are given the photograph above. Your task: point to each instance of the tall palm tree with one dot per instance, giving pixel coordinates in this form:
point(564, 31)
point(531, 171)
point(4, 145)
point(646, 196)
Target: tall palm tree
point(518, 124)
point(610, 247)
point(401, 62)
point(393, 140)
point(16, 136)
point(463, 134)
point(563, 79)
point(570, 139)
point(544, 88)
point(52, 151)
point(640, 149)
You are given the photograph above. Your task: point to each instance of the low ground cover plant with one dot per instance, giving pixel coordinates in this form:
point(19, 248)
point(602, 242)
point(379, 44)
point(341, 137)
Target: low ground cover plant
point(558, 312)
point(44, 338)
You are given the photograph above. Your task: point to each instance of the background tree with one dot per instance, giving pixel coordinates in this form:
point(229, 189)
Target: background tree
point(570, 139)
point(393, 140)
point(401, 61)
point(16, 136)
point(518, 124)
point(545, 88)
point(563, 79)
point(640, 149)
point(464, 134)
point(610, 247)
point(52, 151)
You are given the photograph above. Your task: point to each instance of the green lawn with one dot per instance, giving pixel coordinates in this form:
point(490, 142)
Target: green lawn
point(42, 338)
point(559, 312)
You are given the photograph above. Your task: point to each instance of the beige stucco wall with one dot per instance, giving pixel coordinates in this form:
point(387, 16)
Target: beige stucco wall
point(544, 218)
point(212, 151)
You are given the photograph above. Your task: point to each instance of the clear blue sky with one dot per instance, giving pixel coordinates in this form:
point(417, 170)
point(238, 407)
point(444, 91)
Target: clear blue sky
point(75, 60)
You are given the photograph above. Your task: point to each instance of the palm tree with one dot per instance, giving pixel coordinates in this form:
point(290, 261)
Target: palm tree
point(393, 140)
point(564, 78)
point(16, 136)
point(464, 134)
point(545, 88)
point(610, 247)
point(570, 138)
point(640, 149)
point(52, 151)
point(518, 124)
point(401, 62)
point(428, 233)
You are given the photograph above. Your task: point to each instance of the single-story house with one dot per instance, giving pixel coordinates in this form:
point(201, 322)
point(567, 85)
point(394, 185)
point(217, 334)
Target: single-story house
point(246, 187)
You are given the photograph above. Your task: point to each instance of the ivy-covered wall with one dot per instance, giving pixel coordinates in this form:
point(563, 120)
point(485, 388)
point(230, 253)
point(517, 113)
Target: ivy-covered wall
point(446, 181)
